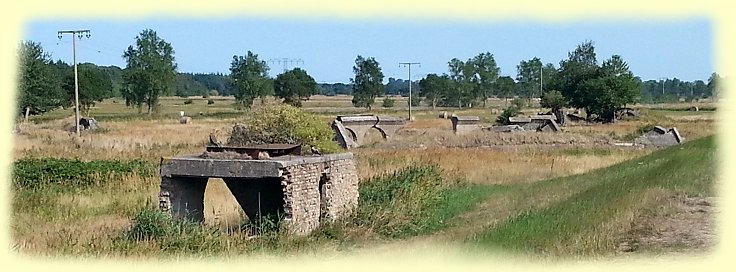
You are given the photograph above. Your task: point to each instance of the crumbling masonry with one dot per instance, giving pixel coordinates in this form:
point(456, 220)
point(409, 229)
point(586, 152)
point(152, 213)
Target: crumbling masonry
point(305, 190)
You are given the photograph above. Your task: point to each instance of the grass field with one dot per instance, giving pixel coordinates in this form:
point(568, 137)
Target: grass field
point(571, 193)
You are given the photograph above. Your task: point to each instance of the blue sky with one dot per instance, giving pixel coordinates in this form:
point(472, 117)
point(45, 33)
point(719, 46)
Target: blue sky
point(653, 49)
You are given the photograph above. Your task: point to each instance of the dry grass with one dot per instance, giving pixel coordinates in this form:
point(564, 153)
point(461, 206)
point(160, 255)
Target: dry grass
point(119, 140)
point(220, 207)
point(60, 221)
point(491, 166)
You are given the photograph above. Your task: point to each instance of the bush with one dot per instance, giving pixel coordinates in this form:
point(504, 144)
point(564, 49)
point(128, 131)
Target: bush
point(35, 173)
point(150, 224)
point(283, 124)
point(511, 111)
point(388, 102)
point(210, 101)
point(416, 101)
point(188, 101)
point(519, 103)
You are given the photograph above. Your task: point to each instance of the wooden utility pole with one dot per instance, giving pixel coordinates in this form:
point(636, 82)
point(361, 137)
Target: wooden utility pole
point(409, 65)
point(81, 33)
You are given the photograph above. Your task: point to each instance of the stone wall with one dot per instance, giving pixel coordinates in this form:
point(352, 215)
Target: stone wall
point(318, 192)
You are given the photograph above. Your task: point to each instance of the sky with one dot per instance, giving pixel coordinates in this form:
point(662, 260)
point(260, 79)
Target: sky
point(327, 48)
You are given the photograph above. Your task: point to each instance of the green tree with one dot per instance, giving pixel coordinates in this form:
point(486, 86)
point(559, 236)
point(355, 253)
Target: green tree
point(368, 82)
point(528, 77)
point(295, 86)
point(94, 86)
point(39, 86)
point(485, 73)
point(511, 111)
point(461, 74)
point(577, 68)
point(250, 79)
point(505, 87)
point(554, 101)
point(434, 88)
point(150, 70)
point(613, 88)
point(714, 85)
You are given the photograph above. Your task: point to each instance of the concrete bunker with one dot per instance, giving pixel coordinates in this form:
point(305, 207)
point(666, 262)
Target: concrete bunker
point(465, 124)
point(301, 190)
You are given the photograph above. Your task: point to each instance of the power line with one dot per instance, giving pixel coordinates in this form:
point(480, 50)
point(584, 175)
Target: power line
point(286, 61)
point(80, 33)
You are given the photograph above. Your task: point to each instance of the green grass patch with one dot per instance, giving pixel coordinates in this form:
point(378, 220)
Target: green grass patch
point(413, 201)
point(586, 222)
point(39, 172)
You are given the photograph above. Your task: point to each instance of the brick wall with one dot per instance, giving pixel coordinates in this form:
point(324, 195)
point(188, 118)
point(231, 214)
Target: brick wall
point(305, 204)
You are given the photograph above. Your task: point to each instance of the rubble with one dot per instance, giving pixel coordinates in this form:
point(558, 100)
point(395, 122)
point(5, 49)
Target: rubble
point(660, 137)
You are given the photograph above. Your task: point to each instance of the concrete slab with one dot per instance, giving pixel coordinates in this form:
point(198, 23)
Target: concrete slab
point(517, 119)
point(343, 136)
point(676, 133)
point(194, 166)
point(508, 128)
point(660, 130)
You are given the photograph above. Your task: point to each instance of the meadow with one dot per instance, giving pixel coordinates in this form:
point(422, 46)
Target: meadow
point(569, 193)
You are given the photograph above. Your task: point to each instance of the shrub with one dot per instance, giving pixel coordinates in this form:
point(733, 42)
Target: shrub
point(283, 124)
point(519, 103)
point(511, 111)
point(416, 101)
point(188, 101)
point(388, 102)
point(210, 101)
point(150, 224)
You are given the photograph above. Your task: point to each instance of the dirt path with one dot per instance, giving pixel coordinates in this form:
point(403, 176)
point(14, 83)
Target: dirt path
point(687, 225)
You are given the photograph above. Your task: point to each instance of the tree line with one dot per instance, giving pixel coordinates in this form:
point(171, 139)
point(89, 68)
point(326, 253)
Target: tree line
point(151, 71)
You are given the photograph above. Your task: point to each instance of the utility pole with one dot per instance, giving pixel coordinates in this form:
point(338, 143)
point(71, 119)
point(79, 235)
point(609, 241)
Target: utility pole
point(409, 64)
point(541, 93)
point(286, 61)
point(80, 33)
point(663, 79)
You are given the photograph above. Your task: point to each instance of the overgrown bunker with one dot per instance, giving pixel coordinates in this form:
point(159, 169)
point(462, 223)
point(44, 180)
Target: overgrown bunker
point(303, 190)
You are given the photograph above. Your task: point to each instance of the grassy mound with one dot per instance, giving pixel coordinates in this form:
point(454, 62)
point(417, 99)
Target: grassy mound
point(607, 202)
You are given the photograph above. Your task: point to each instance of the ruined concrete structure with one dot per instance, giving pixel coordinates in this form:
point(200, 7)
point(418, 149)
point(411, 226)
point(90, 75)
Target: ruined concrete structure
point(660, 136)
point(536, 123)
point(507, 128)
point(465, 124)
point(351, 129)
point(303, 190)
